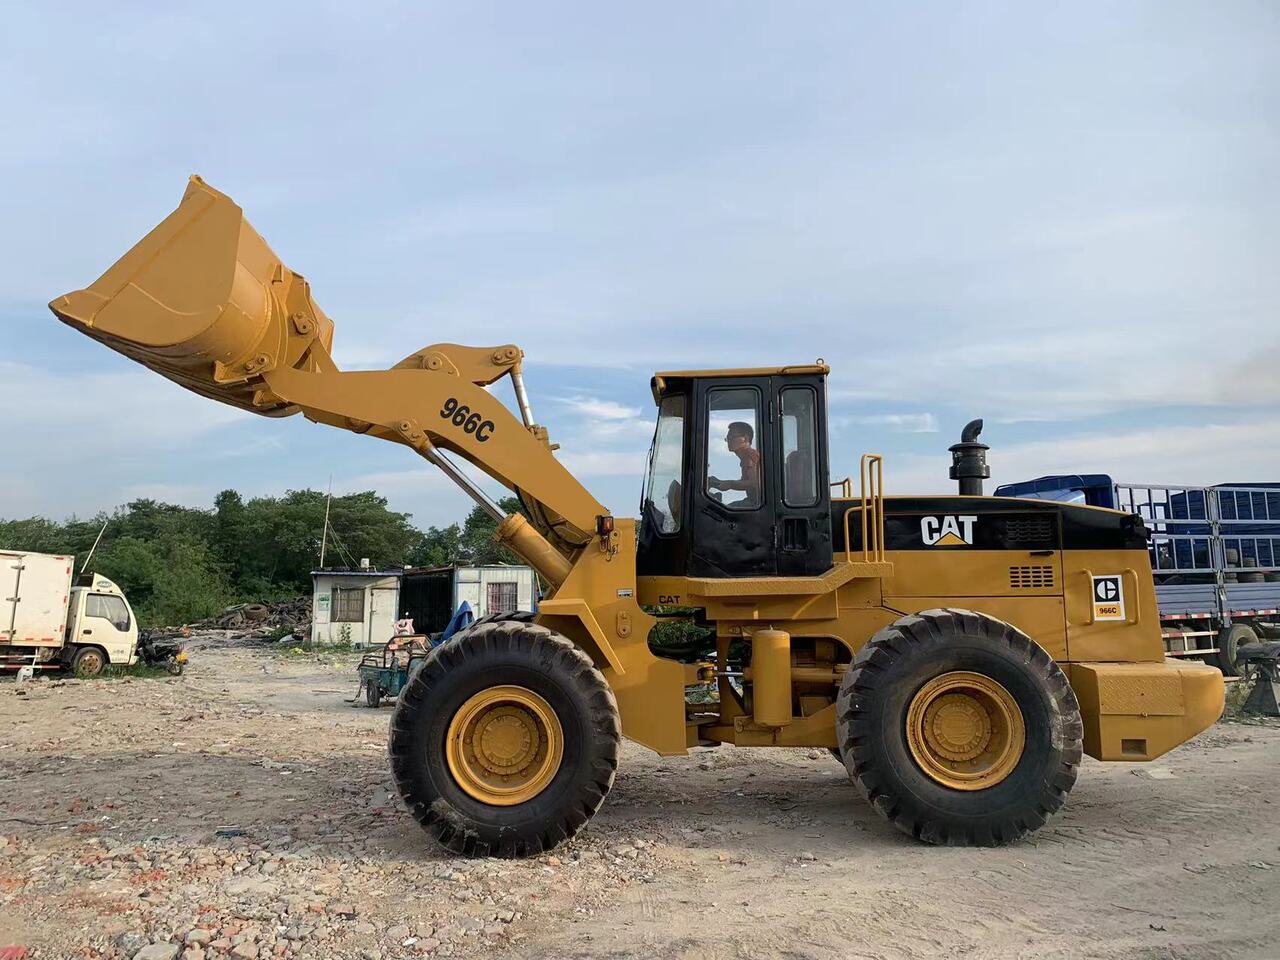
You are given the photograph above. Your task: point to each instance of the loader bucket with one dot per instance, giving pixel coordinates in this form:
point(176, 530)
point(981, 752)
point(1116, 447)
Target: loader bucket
point(203, 300)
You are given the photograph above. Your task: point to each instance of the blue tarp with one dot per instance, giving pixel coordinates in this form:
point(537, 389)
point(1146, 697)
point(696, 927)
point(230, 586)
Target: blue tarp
point(462, 618)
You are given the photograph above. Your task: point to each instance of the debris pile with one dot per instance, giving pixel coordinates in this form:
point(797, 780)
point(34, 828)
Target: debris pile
point(282, 621)
point(293, 614)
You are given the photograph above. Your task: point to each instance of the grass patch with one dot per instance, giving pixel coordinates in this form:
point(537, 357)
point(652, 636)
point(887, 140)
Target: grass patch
point(139, 670)
point(1236, 695)
point(311, 649)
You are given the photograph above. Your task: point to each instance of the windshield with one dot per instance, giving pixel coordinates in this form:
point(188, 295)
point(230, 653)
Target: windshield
point(662, 489)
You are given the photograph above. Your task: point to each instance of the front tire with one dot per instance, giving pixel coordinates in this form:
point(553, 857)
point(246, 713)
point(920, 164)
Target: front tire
point(506, 742)
point(88, 662)
point(959, 728)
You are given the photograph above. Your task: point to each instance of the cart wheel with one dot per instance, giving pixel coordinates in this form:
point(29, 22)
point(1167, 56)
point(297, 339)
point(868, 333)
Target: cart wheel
point(176, 668)
point(372, 694)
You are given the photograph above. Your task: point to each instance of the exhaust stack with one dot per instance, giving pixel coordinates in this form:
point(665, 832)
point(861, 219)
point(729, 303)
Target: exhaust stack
point(969, 460)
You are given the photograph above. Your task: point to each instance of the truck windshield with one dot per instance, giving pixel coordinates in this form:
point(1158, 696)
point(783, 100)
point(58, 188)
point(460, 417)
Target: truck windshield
point(108, 608)
point(662, 489)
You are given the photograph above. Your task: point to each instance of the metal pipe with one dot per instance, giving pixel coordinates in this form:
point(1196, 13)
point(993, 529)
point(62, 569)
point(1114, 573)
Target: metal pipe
point(481, 498)
point(15, 600)
point(522, 396)
point(96, 541)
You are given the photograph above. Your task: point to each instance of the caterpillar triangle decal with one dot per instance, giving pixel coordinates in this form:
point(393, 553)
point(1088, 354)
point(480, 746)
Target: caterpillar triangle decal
point(950, 540)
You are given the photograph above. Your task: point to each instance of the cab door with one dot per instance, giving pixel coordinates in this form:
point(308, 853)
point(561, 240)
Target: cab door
point(731, 495)
point(802, 504)
point(107, 622)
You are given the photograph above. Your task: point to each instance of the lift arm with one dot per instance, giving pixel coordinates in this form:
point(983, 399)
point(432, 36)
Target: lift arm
point(204, 301)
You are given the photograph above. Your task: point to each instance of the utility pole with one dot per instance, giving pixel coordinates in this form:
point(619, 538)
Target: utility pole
point(324, 536)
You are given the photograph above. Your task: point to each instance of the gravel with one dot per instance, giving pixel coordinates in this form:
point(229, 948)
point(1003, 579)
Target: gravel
point(212, 816)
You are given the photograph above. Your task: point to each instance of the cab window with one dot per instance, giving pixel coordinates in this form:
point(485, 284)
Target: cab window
point(107, 608)
point(662, 489)
point(734, 474)
point(799, 447)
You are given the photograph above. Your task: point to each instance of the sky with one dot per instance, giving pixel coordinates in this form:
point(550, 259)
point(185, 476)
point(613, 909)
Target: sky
point(1064, 219)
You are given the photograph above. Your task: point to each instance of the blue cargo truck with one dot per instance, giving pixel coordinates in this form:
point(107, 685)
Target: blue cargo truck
point(1215, 556)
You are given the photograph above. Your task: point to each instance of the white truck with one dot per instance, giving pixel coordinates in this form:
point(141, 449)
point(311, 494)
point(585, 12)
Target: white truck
point(51, 619)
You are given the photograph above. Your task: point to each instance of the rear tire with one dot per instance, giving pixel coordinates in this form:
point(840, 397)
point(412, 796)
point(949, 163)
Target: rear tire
point(1230, 640)
point(561, 698)
point(372, 694)
point(913, 711)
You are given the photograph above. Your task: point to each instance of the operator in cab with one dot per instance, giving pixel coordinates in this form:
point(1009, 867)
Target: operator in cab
point(739, 439)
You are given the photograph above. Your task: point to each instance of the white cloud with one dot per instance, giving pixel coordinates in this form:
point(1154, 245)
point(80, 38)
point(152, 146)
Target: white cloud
point(598, 408)
point(1020, 236)
point(605, 463)
point(1190, 455)
point(185, 494)
point(85, 439)
point(108, 412)
point(1173, 455)
point(896, 422)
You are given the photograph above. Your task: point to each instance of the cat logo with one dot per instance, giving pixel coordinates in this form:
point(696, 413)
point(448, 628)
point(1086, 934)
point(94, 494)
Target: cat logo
point(1108, 597)
point(947, 531)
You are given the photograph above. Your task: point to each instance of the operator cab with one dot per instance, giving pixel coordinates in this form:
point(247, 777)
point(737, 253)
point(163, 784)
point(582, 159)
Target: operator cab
point(737, 479)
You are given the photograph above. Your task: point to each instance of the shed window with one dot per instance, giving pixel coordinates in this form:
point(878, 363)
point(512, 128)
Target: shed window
point(500, 598)
point(348, 605)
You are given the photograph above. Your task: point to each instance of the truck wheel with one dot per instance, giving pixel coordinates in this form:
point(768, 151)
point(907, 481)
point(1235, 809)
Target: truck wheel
point(959, 728)
point(506, 741)
point(1230, 640)
point(88, 662)
point(372, 694)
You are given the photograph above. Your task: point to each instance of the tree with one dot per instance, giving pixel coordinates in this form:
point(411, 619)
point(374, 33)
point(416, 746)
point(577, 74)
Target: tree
point(478, 545)
point(178, 564)
point(440, 547)
point(170, 580)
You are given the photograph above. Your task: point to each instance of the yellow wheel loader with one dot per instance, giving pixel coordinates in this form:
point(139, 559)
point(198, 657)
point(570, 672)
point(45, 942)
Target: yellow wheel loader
point(958, 653)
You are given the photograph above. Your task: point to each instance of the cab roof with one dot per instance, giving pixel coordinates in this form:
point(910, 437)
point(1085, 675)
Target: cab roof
point(660, 379)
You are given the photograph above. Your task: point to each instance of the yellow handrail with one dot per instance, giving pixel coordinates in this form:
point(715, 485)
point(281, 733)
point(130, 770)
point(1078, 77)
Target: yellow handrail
point(846, 487)
point(871, 508)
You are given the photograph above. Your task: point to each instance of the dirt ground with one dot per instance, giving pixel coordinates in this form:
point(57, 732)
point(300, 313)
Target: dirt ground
point(246, 810)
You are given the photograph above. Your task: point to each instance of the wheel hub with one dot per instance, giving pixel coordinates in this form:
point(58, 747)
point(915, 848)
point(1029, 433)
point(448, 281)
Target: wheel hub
point(965, 731)
point(504, 745)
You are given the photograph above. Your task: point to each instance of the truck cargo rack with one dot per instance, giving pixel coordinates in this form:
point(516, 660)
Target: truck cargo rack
point(1215, 556)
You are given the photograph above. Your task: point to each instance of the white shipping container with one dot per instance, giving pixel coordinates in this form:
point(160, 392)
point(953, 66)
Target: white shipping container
point(34, 592)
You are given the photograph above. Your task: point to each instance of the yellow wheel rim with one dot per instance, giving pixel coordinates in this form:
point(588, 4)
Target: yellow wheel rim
point(504, 745)
point(965, 731)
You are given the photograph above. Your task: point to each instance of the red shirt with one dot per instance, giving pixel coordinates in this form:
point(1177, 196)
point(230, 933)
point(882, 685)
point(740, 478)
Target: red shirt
point(750, 458)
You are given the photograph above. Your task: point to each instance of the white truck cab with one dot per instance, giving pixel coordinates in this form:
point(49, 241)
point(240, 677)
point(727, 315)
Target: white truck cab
point(50, 618)
point(99, 618)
